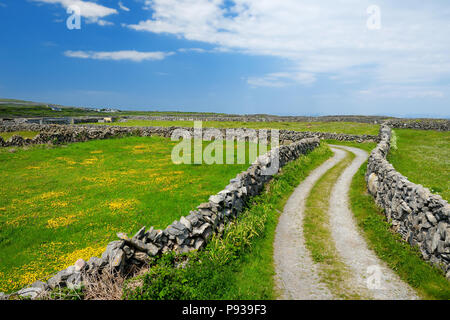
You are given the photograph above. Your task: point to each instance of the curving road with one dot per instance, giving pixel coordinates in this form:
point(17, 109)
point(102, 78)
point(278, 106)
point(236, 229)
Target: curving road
point(297, 275)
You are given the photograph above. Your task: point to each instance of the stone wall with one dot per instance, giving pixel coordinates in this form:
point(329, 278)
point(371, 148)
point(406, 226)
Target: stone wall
point(186, 234)
point(419, 124)
point(53, 120)
point(58, 134)
point(422, 219)
point(259, 118)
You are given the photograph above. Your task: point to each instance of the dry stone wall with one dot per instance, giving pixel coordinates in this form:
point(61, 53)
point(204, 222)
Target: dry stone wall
point(59, 134)
point(422, 218)
point(191, 232)
point(258, 118)
point(419, 124)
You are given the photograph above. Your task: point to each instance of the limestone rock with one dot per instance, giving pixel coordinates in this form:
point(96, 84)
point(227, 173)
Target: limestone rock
point(199, 231)
point(140, 234)
point(30, 293)
point(186, 223)
point(40, 285)
point(59, 280)
point(80, 265)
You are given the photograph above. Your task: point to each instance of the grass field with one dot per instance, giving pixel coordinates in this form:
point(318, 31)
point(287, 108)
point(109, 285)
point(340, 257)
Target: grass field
point(63, 203)
point(338, 127)
point(423, 157)
point(19, 108)
point(23, 134)
point(238, 265)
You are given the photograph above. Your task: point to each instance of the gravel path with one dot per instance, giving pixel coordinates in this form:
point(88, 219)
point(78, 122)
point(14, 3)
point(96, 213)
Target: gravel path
point(296, 273)
point(371, 276)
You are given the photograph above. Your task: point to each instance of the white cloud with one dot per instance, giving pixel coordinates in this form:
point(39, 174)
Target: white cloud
point(327, 37)
point(130, 55)
point(403, 91)
point(122, 7)
point(102, 22)
point(78, 54)
point(197, 50)
point(147, 5)
point(201, 50)
point(89, 10)
point(281, 79)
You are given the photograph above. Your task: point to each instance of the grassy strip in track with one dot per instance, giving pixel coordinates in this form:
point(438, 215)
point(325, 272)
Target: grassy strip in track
point(429, 282)
point(318, 238)
point(238, 265)
point(338, 127)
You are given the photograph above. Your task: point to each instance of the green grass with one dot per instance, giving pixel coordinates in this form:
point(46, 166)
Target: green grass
point(429, 282)
point(338, 127)
point(238, 265)
point(23, 134)
point(424, 157)
point(58, 204)
point(254, 278)
point(318, 239)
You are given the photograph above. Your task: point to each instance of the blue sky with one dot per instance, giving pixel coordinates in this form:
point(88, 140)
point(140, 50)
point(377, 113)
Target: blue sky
point(288, 57)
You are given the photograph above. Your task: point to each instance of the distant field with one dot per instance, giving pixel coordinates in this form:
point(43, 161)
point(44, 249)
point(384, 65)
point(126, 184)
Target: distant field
point(12, 100)
point(338, 127)
point(63, 203)
point(13, 108)
point(424, 157)
point(23, 134)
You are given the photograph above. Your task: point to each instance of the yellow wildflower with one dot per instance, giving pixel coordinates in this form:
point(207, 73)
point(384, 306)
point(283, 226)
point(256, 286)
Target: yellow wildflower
point(60, 221)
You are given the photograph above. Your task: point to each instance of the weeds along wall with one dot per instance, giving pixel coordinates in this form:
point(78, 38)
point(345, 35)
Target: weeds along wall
point(59, 134)
point(186, 234)
point(422, 218)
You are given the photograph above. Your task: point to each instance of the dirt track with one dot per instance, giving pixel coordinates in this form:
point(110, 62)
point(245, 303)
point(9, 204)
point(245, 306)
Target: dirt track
point(297, 275)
